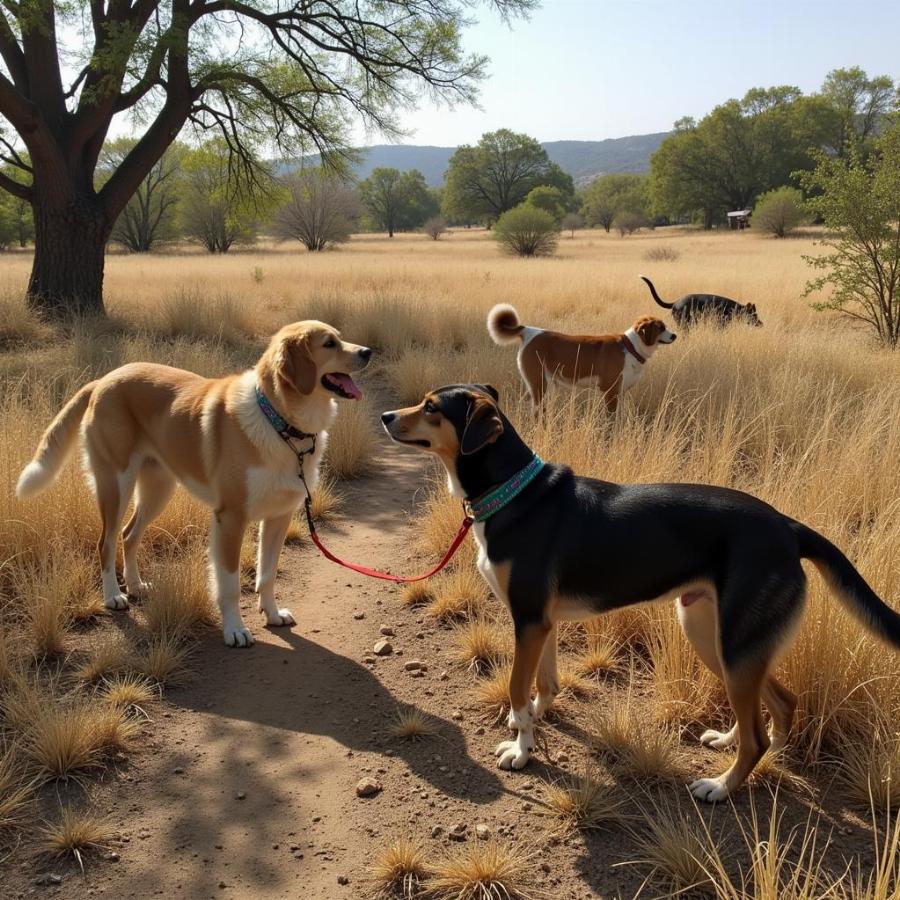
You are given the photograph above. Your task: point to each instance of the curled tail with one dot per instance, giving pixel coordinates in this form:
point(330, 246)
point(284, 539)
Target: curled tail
point(656, 296)
point(55, 446)
point(851, 588)
point(503, 324)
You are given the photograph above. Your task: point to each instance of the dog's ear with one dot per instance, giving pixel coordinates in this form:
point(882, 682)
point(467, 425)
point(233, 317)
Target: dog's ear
point(297, 366)
point(751, 307)
point(489, 389)
point(483, 426)
point(649, 330)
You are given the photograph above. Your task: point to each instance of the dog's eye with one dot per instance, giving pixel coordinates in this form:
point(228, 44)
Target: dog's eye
point(430, 407)
point(330, 343)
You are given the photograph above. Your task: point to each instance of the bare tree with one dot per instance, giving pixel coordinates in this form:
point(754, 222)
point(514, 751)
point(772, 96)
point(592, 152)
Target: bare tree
point(571, 222)
point(321, 210)
point(435, 227)
point(148, 216)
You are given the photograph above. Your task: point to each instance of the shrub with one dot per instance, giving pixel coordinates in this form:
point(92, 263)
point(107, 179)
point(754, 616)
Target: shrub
point(527, 231)
point(435, 227)
point(780, 211)
point(627, 222)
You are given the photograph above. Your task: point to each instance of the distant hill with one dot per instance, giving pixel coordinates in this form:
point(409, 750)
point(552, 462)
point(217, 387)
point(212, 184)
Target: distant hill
point(583, 160)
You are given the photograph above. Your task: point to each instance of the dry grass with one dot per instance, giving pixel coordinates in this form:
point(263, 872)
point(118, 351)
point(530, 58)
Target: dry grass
point(411, 724)
point(178, 602)
point(493, 690)
point(326, 500)
point(573, 684)
point(15, 790)
point(399, 870)
point(583, 801)
point(351, 443)
point(483, 870)
point(111, 653)
point(672, 846)
point(163, 659)
point(129, 692)
point(601, 658)
point(76, 833)
point(869, 769)
point(457, 595)
point(483, 644)
point(632, 743)
point(416, 594)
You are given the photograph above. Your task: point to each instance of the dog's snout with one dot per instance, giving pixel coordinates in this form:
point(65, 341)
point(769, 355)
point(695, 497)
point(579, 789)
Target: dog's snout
point(388, 417)
point(672, 333)
point(365, 353)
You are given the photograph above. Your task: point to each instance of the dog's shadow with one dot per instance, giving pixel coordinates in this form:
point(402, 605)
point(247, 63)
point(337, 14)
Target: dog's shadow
point(298, 685)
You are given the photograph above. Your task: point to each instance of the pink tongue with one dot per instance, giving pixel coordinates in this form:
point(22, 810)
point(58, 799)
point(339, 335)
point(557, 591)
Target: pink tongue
point(346, 383)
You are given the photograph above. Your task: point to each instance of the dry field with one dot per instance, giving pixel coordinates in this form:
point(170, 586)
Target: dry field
point(804, 412)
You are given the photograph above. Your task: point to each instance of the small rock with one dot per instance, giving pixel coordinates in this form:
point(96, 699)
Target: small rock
point(479, 730)
point(359, 615)
point(482, 832)
point(240, 795)
point(222, 885)
point(114, 857)
point(178, 770)
point(48, 878)
point(343, 879)
point(387, 631)
point(562, 757)
point(418, 673)
point(457, 714)
point(437, 831)
point(383, 648)
point(545, 867)
point(413, 664)
point(368, 787)
point(458, 832)
point(444, 676)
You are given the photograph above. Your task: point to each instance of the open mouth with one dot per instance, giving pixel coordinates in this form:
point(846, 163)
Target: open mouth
point(342, 384)
point(416, 443)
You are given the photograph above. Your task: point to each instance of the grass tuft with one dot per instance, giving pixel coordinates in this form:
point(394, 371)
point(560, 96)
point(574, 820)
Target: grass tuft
point(411, 724)
point(484, 870)
point(76, 834)
point(163, 659)
point(16, 791)
point(581, 801)
point(482, 644)
point(129, 692)
point(399, 870)
point(112, 653)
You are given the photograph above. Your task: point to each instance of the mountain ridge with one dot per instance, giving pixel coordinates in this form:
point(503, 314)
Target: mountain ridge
point(583, 160)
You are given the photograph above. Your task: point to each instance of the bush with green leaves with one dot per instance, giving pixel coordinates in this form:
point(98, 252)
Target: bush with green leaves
point(527, 231)
point(550, 199)
point(859, 202)
point(780, 211)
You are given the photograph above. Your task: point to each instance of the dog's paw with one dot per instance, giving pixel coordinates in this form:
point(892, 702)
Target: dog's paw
point(239, 637)
point(709, 790)
point(116, 601)
point(719, 740)
point(513, 754)
point(140, 590)
point(280, 617)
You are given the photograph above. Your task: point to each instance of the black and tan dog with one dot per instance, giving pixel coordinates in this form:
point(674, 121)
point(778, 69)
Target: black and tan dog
point(694, 308)
point(568, 548)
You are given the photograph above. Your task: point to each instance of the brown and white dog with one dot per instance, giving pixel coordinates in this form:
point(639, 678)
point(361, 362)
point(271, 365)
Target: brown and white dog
point(152, 426)
point(613, 362)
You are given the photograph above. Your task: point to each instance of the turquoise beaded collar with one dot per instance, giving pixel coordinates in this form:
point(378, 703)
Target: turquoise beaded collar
point(490, 504)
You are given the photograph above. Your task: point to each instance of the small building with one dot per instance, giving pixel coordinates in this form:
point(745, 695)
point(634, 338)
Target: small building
point(739, 219)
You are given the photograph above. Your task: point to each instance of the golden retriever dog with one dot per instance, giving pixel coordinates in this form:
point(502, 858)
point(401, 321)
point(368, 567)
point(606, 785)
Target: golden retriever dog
point(151, 426)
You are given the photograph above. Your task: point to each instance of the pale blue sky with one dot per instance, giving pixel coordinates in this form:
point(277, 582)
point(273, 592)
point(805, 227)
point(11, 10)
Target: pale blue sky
point(587, 70)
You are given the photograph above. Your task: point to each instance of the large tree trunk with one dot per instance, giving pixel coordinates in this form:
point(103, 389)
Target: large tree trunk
point(70, 235)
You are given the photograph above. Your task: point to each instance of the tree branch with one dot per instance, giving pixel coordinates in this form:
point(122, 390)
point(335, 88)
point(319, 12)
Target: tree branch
point(16, 188)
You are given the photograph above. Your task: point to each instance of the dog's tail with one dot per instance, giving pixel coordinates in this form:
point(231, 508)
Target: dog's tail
point(656, 296)
point(503, 324)
point(55, 447)
point(851, 588)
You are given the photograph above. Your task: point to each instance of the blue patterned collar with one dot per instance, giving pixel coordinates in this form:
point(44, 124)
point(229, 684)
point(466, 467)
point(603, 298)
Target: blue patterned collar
point(279, 423)
point(491, 503)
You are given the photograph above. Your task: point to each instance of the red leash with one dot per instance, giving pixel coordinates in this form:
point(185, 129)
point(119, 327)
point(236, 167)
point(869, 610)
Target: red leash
point(387, 576)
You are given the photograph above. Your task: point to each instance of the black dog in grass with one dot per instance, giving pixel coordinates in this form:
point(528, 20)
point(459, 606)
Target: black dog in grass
point(556, 547)
point(693, 308)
